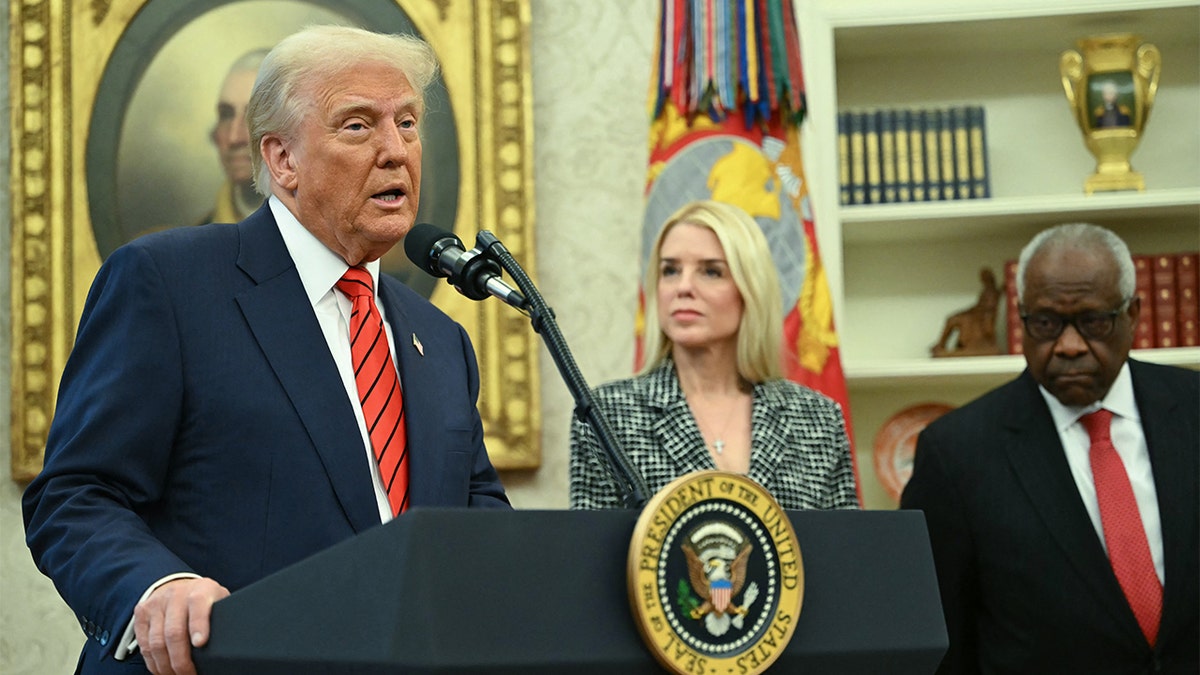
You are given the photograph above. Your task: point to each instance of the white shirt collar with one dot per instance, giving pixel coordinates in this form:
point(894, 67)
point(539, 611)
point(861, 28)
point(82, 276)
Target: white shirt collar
point(1119, 400)
point(318, 266)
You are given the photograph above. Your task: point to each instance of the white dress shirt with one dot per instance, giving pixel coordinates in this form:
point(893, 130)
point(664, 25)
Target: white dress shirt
point(319, 269)
point(1130, 443)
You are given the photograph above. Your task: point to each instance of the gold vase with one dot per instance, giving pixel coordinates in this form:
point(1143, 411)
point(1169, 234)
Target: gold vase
point(1110, 82)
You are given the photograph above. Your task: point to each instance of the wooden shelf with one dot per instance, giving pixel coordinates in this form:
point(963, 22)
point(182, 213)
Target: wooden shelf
point(896, 271)
point(951, 220)
point(977, 370)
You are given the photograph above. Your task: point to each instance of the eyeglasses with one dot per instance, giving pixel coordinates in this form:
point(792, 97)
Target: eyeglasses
point(1091, 325)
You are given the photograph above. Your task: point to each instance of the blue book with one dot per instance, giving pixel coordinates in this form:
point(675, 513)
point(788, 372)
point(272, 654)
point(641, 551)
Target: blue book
point(886, 121)
point(843, 139)
point(962, 152)
point(981, 187)
point(874, 174)
point(931, 127)
point(916, 157)
point(858, 160)
point(903, 160)
point(946, 150)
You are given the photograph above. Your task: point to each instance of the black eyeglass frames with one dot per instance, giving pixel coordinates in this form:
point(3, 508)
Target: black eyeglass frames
point(1091, 325)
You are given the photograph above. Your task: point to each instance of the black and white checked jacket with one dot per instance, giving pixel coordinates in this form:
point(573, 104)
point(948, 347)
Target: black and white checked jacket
point(799, 448)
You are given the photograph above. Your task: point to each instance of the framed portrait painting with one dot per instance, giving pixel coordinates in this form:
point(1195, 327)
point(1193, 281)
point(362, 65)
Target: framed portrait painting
point(126, 118)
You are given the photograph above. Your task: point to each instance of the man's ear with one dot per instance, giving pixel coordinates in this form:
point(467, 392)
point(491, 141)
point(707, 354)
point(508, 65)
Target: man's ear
point(1134, 309)
point(280, 161)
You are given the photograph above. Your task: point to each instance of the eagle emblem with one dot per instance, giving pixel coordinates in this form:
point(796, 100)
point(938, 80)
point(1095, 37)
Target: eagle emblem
point(717, 554)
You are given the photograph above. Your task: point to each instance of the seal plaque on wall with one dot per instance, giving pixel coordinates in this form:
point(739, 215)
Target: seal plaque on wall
point(715, 575)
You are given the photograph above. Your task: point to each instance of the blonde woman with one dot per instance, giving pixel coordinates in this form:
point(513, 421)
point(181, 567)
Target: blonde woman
point(712, 394)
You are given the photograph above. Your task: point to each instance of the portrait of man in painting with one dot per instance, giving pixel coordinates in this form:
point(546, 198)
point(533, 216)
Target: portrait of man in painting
point(168, 145)
point(1110, 100)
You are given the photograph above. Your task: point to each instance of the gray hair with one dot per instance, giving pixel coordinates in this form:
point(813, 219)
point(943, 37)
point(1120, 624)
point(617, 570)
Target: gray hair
point(1083, 235)
point(301, 60)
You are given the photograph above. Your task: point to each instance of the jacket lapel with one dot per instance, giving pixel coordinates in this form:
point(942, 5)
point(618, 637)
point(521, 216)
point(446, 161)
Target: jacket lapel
point(770, 434)
point(674, 427)
point(1174, 481)
point(300, 358)
point(1040, 465)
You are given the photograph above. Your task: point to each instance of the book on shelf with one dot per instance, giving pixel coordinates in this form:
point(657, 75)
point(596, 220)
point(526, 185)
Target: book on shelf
point(930, 132)
point(1143, 332)
point(981, 187)
point(1014, 328)
point(885, 119)
point(1187, 298)
point(843, 138)
point(871, 142)
point(916, 156)
point(946, 149)
point(1162, 280)
point(903, 163)
point(858, 160)
point(891, 155)
point(962, 152)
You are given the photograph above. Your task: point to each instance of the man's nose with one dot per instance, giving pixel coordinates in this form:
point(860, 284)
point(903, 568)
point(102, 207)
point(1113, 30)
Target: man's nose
point(1070, 342)
point(240, 133)
point(393, 146)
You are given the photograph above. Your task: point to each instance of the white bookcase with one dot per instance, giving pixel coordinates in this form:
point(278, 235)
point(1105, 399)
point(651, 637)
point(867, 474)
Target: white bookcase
point(898, 270)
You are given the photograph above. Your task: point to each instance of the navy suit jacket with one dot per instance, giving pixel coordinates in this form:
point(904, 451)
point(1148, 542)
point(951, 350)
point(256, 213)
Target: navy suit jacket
point(1026, 585)
point(202, 426)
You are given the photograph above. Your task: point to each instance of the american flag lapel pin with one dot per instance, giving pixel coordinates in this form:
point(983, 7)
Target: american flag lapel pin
point(417, 344)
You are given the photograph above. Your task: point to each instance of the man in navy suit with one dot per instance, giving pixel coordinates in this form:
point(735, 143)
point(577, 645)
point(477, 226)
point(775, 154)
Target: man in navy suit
point(1026, 531)
point(208, 429)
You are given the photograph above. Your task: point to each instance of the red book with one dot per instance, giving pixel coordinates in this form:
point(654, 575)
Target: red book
point(1187, 298)
point(1166, 332)
point(1143, 334)
point(1015, 330)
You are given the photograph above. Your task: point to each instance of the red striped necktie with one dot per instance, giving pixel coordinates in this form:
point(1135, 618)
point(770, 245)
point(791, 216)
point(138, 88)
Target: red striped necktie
point(1124, 534)
point(378, 386)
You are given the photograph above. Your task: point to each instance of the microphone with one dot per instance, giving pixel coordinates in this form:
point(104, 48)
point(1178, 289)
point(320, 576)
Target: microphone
point(442, 254)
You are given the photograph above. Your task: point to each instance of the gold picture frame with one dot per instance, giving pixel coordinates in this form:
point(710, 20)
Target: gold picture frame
point(60, 55)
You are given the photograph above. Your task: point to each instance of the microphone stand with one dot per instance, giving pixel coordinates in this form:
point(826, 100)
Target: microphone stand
point(542, 319)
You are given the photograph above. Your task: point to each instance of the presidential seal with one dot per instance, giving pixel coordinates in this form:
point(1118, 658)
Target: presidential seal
point(715, 575)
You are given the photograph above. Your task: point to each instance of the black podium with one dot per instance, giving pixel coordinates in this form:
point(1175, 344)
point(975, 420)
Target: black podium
point(529, 592)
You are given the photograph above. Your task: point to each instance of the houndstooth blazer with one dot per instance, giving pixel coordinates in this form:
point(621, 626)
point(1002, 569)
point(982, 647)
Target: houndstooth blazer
point(799, 448)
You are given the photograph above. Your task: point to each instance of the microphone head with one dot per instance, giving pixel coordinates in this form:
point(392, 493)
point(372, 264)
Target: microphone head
point(424, 244)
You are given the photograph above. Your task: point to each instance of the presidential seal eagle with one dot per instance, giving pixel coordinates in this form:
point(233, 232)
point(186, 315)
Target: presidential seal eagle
point(717, 554)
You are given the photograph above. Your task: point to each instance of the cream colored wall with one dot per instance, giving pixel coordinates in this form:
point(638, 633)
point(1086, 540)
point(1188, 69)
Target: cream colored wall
point(590, 70)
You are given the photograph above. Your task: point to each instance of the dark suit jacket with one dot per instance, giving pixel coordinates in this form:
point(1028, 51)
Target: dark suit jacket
point(1026, 585)
point(202, 426)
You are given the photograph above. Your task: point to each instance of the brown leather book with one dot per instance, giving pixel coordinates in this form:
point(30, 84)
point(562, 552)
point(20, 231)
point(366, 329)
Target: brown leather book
point(1187, 298)
point(1166, 330)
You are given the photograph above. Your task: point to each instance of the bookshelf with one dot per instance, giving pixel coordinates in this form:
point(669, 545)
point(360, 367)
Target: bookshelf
point(897, 271)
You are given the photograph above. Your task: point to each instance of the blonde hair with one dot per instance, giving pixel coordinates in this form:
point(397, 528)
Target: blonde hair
point(300, 61)
point(760, 332)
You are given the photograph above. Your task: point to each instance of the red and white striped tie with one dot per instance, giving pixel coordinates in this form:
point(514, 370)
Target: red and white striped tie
point(378, 386)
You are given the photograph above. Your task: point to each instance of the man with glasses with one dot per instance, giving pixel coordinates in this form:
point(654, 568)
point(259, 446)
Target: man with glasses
point(1063, 506)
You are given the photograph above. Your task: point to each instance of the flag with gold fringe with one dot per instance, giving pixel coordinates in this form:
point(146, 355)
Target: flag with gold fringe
point(727, 101)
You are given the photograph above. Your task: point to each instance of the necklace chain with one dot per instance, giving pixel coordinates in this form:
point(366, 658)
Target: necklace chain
point(718, 443)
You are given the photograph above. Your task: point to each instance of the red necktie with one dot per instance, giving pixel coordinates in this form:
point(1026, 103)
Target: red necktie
point(1128, 550)
point(378, 386)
